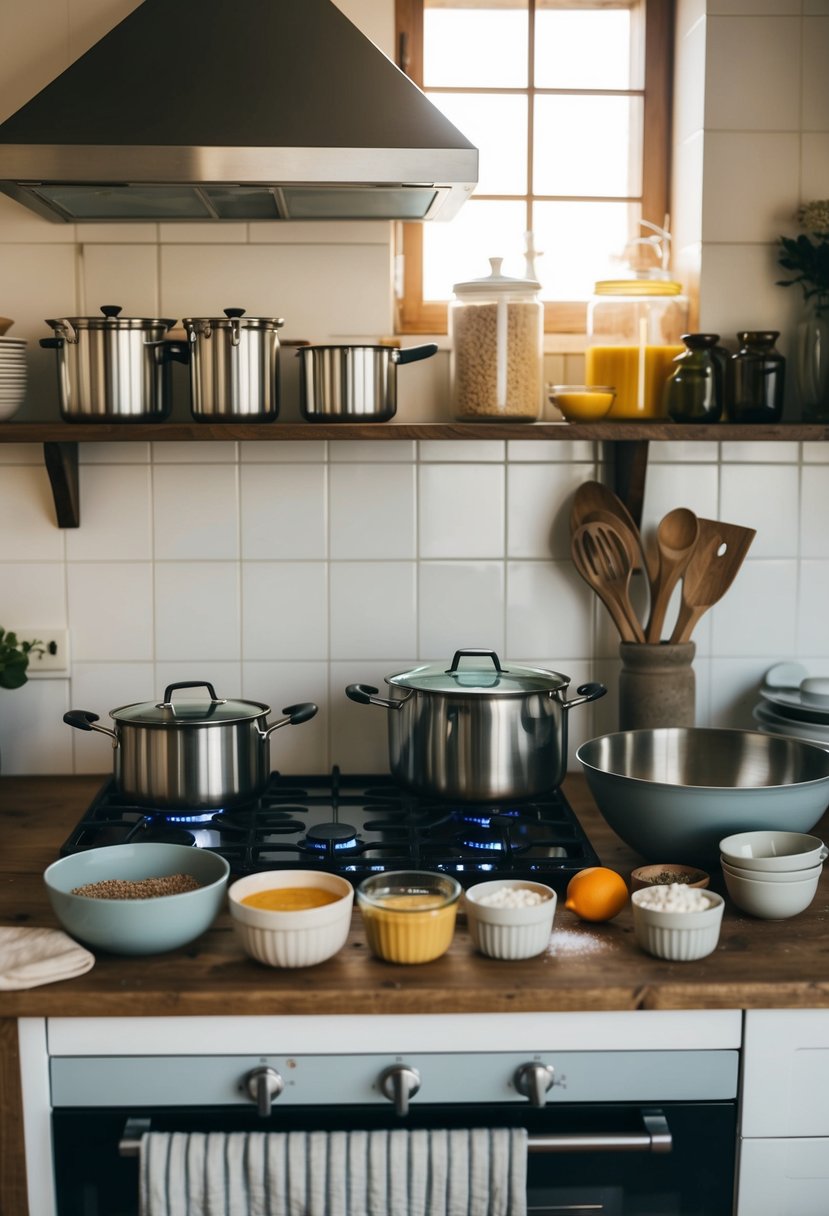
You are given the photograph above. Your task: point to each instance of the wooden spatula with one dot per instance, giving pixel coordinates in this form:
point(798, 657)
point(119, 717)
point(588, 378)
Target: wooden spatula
point(601, 558)
point(676, 539)
point(592, 497)
point(718, 554)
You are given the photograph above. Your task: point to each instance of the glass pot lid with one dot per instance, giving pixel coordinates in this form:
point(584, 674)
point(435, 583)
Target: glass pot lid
point(479, 673)
point(207, 710)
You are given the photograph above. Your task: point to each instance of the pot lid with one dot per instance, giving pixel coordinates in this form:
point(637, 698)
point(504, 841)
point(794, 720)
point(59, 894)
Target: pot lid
point(479, 672)
point(186, 711)
point(495, 281)
point(234, 318)
point(111, 320)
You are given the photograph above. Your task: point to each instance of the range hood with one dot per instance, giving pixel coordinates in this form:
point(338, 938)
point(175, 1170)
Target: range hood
point(254, 110)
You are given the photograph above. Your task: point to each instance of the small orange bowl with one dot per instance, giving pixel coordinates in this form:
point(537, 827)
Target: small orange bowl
point(582, 402)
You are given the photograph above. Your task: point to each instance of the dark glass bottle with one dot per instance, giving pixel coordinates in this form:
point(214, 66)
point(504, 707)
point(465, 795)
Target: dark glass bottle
point(694, 389)
point(759, 373)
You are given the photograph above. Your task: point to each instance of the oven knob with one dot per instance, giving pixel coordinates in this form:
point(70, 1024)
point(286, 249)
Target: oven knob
point(399, 1083)
point(533, 1081)
point(263, 1085)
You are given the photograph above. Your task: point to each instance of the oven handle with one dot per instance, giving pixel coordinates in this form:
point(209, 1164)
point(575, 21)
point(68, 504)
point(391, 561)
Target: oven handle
point(656, 1138)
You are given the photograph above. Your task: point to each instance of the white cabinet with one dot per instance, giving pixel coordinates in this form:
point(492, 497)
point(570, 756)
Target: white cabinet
point(784, 1114)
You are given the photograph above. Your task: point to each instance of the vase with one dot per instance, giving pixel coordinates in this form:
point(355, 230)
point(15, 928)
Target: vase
point(657, 685)
point(812, 366)
point(759, 371)
point(694, 390)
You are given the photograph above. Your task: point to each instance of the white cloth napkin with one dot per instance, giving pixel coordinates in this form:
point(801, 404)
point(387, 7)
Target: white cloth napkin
point(462, 1172)
point(29, 957)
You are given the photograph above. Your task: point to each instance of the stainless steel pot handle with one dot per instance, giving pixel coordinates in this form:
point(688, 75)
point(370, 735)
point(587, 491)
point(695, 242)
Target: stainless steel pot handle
point(366, 694)
point(294, 714)
point(65, 331)
point(82, 719)
point(587, 692)
point(233, 315)
point(411, 354)
point(474, 652)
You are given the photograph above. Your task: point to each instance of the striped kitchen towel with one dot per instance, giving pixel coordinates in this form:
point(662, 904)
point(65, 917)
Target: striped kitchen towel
point(462, 1172)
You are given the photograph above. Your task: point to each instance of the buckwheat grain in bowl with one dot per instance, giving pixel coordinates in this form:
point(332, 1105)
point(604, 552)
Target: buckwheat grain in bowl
point(137, 898)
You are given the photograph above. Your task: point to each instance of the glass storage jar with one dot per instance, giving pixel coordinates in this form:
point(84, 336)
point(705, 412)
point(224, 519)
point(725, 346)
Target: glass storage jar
point(694, 388)
point(496, 331)
point(634, 329)
point(759, 371)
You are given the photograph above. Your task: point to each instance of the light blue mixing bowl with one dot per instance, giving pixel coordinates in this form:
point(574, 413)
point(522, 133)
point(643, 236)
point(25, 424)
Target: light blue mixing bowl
point(137, 926)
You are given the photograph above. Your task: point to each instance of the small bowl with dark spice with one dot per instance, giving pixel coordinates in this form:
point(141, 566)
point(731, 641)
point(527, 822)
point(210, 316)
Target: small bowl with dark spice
point(662, 873)
point(137, 898)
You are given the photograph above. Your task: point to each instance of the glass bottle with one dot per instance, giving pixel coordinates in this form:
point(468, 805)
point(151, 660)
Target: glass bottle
point(759, 373)
point(634, 329)
point(496, 331)
point(694, 389)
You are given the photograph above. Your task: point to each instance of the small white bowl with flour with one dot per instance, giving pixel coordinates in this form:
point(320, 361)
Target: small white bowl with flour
point(510, 918)
point(676, 921)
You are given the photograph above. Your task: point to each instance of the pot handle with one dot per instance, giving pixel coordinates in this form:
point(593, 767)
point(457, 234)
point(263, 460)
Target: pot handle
point(52, 343)
point(411, 354)
point(82, 719)
point(171, 688)
point(366, 694)
point(475, 652)
point(294, 715)
point(587, 692)
point(180, 351)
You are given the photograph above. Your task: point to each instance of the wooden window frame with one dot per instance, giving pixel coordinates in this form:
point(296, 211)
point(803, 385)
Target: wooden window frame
point(414, 315)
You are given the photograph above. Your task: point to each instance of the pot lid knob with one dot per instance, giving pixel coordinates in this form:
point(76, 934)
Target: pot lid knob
point(110, 310)
point(234, 312)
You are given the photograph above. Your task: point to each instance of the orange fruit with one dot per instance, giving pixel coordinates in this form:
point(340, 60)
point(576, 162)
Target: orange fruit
point(596, 893)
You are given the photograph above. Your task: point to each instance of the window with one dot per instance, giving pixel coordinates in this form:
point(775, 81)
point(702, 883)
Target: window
point(568, 102)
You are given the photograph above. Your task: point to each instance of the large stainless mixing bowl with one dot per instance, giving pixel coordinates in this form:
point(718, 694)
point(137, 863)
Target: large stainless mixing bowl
point(672, 794)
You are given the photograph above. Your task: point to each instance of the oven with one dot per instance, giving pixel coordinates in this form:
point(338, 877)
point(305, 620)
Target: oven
point(628, 1114)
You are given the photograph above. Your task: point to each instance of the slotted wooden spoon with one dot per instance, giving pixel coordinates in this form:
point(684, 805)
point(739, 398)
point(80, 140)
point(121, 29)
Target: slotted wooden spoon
point(676, 539)
point(717, 557)
point(602, 559)
point(592, 497)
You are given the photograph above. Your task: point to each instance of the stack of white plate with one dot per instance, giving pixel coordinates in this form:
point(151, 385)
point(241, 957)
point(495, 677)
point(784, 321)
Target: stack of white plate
point(797, 708)
point(12, 375)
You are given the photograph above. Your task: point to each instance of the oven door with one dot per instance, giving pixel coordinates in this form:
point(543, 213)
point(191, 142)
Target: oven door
point(607, 1159)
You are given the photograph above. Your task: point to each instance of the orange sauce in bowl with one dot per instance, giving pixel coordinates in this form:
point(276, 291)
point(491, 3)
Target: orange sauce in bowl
point(290, 899)
point(410, 927)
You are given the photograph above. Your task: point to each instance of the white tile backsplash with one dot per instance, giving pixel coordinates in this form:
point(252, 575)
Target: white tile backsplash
point(282, 571)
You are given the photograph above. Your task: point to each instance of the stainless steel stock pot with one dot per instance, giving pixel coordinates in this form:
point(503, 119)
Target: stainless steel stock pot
point(477, 731)
point(199, 753)
point(113, 368)
point(234, 367)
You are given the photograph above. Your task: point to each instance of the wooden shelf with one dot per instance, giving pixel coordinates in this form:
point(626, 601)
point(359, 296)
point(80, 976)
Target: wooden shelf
point(626, 451)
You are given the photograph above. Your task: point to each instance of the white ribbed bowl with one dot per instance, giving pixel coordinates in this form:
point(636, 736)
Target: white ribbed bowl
point(291, 939)
point(509, 933)
point(678, 936)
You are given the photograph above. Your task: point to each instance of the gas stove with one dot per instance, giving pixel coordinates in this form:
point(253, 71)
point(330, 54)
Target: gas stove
point(356, 826)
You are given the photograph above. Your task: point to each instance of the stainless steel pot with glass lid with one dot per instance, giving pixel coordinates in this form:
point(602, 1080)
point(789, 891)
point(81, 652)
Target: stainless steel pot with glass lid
point(478, 731)
point(199, 753)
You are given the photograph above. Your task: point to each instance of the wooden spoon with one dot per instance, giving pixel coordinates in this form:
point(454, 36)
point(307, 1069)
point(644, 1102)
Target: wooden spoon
point(601, 558)
point(676, 538)
point(591, 497)
point(719, 552)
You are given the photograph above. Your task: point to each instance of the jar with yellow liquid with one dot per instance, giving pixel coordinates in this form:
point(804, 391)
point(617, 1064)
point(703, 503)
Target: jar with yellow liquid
point(633, 335)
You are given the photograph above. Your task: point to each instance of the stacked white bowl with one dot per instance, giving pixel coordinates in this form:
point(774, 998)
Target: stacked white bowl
point(12, 375)
point(772, 875)
point(794, 704)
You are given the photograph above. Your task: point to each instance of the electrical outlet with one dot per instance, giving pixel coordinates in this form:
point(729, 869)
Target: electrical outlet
point(54, 662)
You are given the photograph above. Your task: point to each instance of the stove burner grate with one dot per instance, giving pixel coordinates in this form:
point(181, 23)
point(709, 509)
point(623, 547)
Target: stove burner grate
point(356, 825)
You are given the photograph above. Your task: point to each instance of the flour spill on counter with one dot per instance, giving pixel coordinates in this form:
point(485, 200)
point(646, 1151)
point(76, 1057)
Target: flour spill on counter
point(572, 941)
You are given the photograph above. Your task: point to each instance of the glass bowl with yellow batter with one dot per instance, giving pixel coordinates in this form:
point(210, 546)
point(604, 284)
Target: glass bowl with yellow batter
point(291, 918)
point(409, 915)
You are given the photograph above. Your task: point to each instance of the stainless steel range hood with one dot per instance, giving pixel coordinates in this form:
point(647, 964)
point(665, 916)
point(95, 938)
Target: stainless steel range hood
point(254, 110)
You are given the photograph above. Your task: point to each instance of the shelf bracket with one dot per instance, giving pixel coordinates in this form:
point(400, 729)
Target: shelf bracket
point(61, 460)
point(627, 461)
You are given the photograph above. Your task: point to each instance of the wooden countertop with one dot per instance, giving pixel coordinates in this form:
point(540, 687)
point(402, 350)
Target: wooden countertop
point(758, 964)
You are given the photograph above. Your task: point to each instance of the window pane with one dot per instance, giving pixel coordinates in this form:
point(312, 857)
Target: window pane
point(465, 47)
point(588, 145)
point(587, 49)
point(581, 243)
point(497, 126)
point(459, 251)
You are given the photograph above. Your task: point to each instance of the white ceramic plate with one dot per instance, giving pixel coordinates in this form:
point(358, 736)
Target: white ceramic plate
point(791, 703)
point(771, 724)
